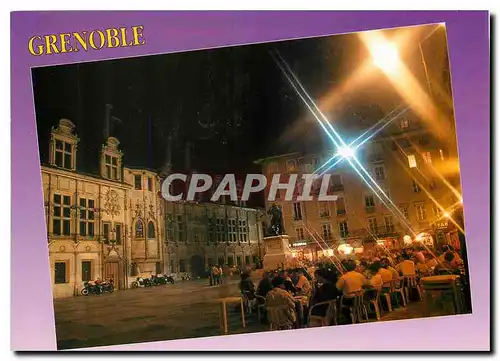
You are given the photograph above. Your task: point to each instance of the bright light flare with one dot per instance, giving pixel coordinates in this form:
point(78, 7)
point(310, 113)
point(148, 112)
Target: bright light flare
point(346, 152)
point(447, 215)
point(385, 56)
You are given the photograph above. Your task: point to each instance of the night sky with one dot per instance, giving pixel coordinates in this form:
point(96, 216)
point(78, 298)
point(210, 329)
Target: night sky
point(233, 105)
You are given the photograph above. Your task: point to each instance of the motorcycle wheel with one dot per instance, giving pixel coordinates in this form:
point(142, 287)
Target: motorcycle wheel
point(135, 284)
point(111, 289)
point(85, 292)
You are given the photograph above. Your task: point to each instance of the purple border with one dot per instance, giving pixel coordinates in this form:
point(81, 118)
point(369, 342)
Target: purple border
point(32, 319)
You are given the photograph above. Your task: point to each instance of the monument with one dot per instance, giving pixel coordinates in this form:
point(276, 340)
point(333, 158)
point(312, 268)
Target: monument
point(278, 252)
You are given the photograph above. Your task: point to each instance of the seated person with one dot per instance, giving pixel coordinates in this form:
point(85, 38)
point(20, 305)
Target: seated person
point(264, 285)
point(450, 264)
point(288, 282)
point(385, 263)
point(351, 281)
point(376, 278)
point(325, 291)
point(246, 286)
point(385, 275)
point(303, 285)
point(278, 297)
point(407, 266)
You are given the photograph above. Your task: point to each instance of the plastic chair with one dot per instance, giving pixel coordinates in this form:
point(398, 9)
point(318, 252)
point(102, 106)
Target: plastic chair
point(261, 303)
point(398, 290)
point(375, 303)
point(410, 283)
point(331, 313)
point(385, 294)
point(357, 307)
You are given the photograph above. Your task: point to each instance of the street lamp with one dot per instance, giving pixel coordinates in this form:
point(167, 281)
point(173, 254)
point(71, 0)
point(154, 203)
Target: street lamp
point(385, 56)
point(346, 152)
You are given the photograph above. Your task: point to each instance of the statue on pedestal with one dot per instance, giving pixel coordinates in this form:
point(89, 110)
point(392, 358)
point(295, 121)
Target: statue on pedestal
point(276, 228)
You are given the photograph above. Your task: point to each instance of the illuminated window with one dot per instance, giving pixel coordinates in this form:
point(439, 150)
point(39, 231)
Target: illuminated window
point(300, 233)
point(327, 231)
point(416, 187)
point(297, 211)
point(379, 173)
point(372, 224)
point(369, 201)
point(421, 215)
point(291, 165)
point(412, 161)
point(427, 157)
point(343, 229)
point(404, 123)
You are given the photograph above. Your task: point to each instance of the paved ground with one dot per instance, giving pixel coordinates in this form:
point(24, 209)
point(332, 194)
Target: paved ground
point(184, 310)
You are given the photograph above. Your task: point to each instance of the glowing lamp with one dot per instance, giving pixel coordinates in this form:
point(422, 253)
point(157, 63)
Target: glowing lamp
point(345, 249)
point(447, 215)
point(346, 152)
point(385, 56)
point(407, 240)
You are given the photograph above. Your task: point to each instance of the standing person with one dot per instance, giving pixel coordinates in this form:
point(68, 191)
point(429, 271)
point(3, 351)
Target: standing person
point(210, 275)
point(216, 275)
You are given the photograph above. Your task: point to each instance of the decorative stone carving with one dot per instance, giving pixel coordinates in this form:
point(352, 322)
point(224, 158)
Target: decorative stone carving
point(111, 203)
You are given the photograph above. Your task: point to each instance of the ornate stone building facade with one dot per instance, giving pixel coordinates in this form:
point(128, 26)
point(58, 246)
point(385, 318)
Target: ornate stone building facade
point(203, 234)
point(102, 225)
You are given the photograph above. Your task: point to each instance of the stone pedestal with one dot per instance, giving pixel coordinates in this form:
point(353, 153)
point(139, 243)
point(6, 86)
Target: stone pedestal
point(277, 253)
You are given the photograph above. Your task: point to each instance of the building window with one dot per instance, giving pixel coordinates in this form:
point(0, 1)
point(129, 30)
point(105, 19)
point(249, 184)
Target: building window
point(421, 216)
point(389, 225)
point(220, 230)
point(336, 182)
point(138, 181)
point(150, 184)
point(300, 233)
point(61, 222)
point(63, 154)
point(118, 233)
point(412, 161)
point(60, 273)
point(427, 157)
point(86, 271)
point(243, 231)
point(87, 217)
point(221, 261)
point(272, 168)
point(436, 210)
point(139, 229)
point(372, 225)
point(404, 123)
point(416, 187)
point(379, 173)
point(151, 230)
point(291, 165)
point(238, 261)
point(158, 268)
point(111, 167)
point(106, 226)
point(297, 211)
point(169, 226)
point(340, 206)
point(182, 265)
point(232, 230)
point(343, 229)
point(247, 260)
point(324, 209)
point(327, 231)
point(180, 228)
point(404, 210)
point(369, 201)
point(230, 261)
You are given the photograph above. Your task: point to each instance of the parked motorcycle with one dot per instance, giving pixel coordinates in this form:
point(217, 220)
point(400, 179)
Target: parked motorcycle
point(162, 280)
point(141, 281)
point(97, 287)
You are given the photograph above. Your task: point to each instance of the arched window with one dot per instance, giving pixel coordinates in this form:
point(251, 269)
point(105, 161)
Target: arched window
point(151, 230)
point(139, 229)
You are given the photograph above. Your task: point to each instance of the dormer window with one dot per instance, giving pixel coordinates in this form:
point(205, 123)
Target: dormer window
point(63, 145)
point(111, 160)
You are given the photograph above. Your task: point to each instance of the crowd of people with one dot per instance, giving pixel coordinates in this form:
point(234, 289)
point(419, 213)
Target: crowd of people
point(363, 273)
